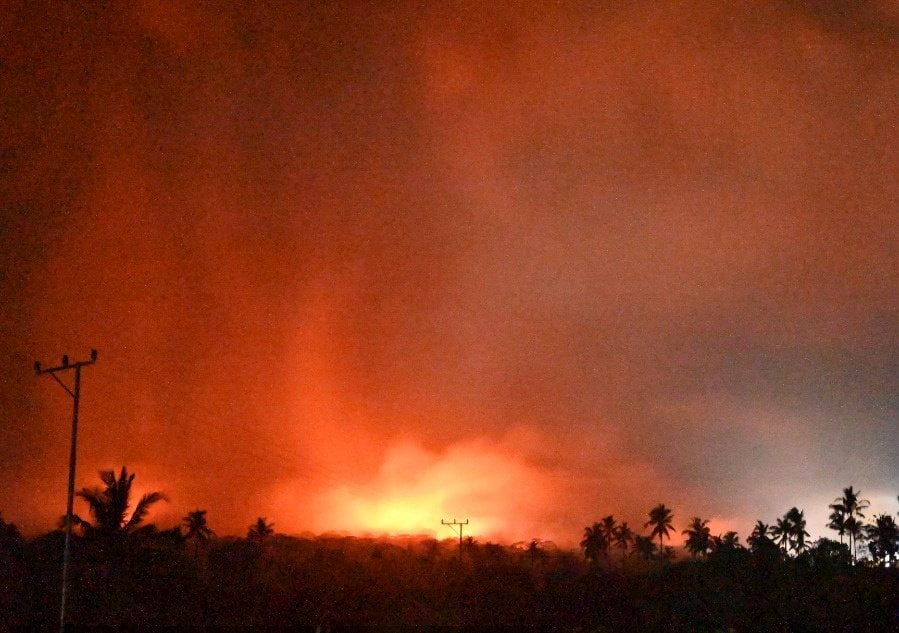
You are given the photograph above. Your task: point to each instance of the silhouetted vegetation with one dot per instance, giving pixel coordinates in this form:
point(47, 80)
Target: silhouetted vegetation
point(260, 530)
point(109, 506)
point(847, 515)
point(187, 577)
point(197, 530)
point(660, 518)
point(699, 539)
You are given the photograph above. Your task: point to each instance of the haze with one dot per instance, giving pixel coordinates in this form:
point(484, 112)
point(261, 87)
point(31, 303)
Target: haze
point(363, 269)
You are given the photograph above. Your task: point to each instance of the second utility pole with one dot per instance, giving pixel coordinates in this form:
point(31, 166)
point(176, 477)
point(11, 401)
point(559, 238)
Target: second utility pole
point(453, 524)
point(76, 395)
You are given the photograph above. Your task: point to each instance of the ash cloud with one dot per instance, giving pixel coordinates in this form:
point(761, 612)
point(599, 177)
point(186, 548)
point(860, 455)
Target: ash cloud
point(659, 245)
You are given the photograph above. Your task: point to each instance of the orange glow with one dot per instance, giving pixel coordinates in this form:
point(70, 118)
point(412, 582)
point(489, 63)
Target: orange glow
point(362, 269)
point(396, 515)
point(415, 488)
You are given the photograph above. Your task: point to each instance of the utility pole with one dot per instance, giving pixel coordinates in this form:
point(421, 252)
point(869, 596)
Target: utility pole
point(75, 393)
point(453, 525)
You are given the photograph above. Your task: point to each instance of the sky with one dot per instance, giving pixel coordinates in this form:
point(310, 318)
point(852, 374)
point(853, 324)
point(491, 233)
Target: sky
point(361, 267)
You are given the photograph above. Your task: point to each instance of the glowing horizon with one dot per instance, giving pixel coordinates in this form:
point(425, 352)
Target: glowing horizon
point(359, 267)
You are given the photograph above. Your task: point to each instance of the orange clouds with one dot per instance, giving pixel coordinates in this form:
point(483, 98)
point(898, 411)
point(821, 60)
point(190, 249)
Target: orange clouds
point(361, 268)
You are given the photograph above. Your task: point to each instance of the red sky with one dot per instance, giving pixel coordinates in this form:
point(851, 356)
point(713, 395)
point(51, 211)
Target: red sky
point(359, 268)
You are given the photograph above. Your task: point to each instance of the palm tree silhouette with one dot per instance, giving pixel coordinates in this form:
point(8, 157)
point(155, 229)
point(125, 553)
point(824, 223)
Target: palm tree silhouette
point(660, 519)
point(197, 529)
point(837, 520)
point(644, 546)
point(698, 537)
point(883, 538)
point(855, 529)
point(608, 530)
point(796, 519)
point(536, 548)
point(260, 530)
point(109, 506)
point(782, 531)
point(623, 537)
point(759, 538)
point(726, 542)
point(594, 542)
point(852, 505)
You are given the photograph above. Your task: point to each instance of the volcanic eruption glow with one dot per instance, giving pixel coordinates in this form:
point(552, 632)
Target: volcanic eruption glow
point(363, 267)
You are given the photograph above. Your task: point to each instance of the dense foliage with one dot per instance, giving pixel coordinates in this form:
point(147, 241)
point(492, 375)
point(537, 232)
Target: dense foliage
point(186, 577)
point(157, 580)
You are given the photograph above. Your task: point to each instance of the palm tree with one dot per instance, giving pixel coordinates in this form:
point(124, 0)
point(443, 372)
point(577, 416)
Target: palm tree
point(698, 539)
point(796, 518)
point(852, 506)
point(759, 538)
point(109, 506)
point(782, 531)
point(197, 529)
point(883, 538)
point(856, 531)
point(536, 549)
point(644, 546)
point(726, 542)
point(623, 537)
point(837, 520)
point(594, 542)
point(260, 530)
point(759, 530)
point(608, 531)
point(660, 519)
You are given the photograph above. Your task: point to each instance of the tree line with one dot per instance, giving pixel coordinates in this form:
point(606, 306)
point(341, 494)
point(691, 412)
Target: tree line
point(128, 574)
point(787, 534)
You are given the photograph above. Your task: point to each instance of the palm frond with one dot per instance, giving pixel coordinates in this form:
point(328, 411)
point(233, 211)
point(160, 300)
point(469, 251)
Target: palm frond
point(96, 504)
point(142, 507)
point(108, 477)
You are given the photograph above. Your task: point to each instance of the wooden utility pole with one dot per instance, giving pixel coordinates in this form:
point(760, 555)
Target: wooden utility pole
point(453, 525)
point(75, 393)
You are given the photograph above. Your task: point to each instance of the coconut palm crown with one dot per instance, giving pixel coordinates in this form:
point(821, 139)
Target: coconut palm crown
point(698, 537)
point(660, 518)
point(196, 528)
point(109, 506)
point(260, 530)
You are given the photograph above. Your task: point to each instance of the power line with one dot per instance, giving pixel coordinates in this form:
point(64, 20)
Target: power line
point(453, 525)
point(75, 393)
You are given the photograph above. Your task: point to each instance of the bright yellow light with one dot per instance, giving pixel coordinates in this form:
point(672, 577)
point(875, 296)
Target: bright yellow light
point(399, 515)
point(416, 489)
